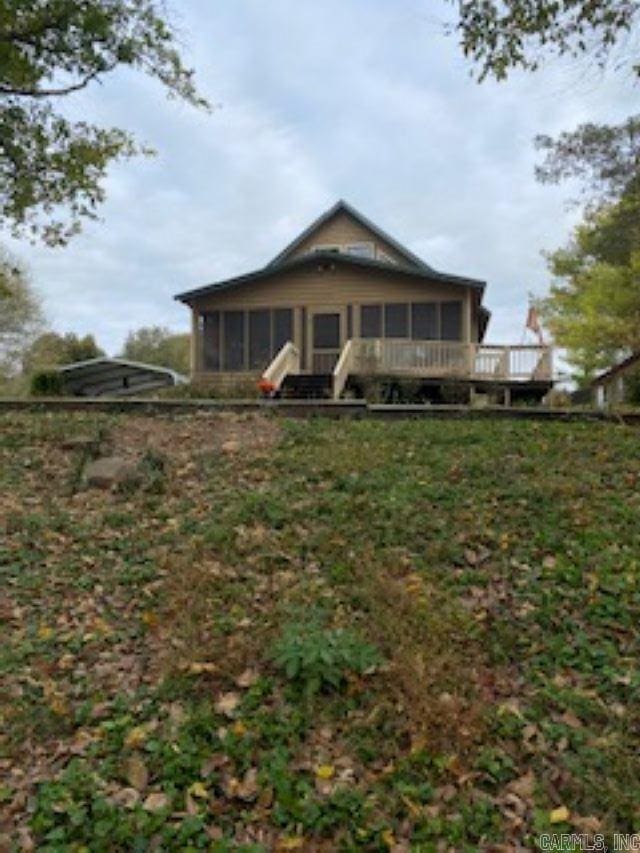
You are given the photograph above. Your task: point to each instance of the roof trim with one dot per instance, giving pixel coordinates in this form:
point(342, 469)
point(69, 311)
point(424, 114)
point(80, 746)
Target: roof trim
point(342, 205)
point(617, 368)
point(266, 272)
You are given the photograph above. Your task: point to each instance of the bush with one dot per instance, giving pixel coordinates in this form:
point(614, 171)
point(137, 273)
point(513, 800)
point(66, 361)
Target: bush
point(46, 383)
point(320, 659)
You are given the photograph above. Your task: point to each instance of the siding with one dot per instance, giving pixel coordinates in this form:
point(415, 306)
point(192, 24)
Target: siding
point(335, 287)
point(341, 229)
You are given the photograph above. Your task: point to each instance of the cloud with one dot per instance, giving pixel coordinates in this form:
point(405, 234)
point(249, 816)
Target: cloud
point(360, 99)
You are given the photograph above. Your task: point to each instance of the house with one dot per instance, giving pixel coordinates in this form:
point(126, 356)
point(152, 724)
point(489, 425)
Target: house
point(115, 377)
point(345, 301)
point(618, 385)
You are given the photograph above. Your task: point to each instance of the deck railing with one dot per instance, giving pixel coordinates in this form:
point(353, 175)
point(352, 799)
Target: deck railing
point(343, 368)
point(286, 361)
point(450, 359)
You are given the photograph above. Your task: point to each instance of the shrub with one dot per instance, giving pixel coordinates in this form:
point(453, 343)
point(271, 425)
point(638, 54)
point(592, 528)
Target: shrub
point(321, 659)
point(46, 383)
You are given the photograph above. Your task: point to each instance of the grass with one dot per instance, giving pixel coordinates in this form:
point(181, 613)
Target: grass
point(328, 636)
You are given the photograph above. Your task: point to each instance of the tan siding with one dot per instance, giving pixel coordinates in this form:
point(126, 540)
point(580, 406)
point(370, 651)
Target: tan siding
point(333, 290)
point(340, 286)
point(341, 229)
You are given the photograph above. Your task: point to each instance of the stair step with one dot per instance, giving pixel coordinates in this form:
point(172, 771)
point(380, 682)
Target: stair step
point(307, 386)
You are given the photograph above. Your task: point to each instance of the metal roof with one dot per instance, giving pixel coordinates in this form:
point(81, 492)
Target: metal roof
point(424, 272)
point(343, 206)
point(115, 377)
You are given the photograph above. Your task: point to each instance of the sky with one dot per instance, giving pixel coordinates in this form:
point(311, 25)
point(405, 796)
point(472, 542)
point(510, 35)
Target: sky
point(366, 100)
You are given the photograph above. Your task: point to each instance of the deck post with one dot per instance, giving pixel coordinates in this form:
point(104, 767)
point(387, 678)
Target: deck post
point(507, 397)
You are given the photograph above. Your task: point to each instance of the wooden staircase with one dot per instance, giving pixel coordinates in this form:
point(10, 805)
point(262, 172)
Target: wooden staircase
point(307, 386)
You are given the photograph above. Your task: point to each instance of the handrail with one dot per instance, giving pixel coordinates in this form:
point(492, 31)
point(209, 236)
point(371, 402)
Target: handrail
point(511, 362)
point(342, 369)
point(286, 361)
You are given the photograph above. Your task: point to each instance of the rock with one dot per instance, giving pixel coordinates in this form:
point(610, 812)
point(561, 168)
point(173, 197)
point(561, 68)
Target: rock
point(109, 471)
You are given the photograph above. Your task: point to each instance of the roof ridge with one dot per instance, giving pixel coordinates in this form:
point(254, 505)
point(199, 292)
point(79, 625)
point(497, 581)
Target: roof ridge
point(341, 204)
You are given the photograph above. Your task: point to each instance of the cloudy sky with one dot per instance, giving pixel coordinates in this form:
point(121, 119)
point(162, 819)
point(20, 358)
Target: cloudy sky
point(366, 100)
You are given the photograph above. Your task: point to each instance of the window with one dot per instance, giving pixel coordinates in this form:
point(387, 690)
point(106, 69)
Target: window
point(259, 339)
point(371, 321)
point(451, 321)
point(329, 247)
point(234, 340)
point(326, 331)
point(282, 328)
point(361, 250)
point(211, 341)
point(424, 321)
point(396, 321)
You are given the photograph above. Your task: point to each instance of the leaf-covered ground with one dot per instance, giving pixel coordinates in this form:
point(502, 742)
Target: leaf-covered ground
point(318, 635)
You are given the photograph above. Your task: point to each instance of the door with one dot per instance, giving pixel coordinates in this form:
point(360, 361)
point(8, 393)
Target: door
point(326, 337)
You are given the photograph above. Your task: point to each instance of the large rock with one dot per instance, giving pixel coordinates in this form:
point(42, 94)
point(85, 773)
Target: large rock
point(110, 471)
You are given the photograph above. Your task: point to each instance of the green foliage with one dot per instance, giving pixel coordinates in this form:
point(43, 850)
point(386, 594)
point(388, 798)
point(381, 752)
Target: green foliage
point(606, 158)
point(503, 36)
point(20, 315)
point(158, 345)
point(50, 49)
point(593, 309)
point(51, 349)
point(46, 383)
point(321, 659)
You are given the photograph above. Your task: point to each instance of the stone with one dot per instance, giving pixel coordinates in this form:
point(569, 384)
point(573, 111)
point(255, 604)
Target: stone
point(109, 471)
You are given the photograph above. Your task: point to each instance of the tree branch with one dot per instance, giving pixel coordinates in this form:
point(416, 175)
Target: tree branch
point(65, 90)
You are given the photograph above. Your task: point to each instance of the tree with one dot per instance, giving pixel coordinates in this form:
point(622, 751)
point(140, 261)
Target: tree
point(593, 308)
point(20, 315)
point(606, 158)
point(158, 345)
point(50, 49)
point(51, 349)
point(503, 35)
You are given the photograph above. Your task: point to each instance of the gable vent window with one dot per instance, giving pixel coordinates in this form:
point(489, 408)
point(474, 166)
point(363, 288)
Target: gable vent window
point(360, 250)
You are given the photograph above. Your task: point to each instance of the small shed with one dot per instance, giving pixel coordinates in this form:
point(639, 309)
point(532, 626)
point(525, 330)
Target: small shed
point(613, 387)
point(115, 377)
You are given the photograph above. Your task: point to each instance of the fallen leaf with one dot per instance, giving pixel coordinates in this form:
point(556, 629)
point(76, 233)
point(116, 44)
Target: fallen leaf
point(325, 771)
point(155, 802)
point(137, 773)
point(198, 790)
point(227, 704)
point(559, 815)
point(248, 678)
point(290, 843)
point(136, 737)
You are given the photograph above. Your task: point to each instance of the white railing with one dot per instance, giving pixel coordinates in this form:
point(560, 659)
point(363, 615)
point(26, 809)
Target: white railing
point(453, 359)
point(286, 361)
point(342, 369)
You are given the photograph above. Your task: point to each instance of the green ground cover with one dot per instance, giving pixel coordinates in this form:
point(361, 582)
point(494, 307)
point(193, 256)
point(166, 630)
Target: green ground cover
point(318, 635)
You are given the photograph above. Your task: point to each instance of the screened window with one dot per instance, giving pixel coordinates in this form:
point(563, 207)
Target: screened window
point(211, 341)
point(451, 321)
point(326, 331)
point(371, 321)
point(282, 328)
point(259, 339)
point(424, 321)
point(396, 321)
point(233, 340)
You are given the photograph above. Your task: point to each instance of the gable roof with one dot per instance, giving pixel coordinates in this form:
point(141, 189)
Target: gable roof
point(617, 368)
point(342, 206)
point(426, 273)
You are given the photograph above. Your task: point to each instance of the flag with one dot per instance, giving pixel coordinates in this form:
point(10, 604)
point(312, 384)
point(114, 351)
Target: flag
point(533, 323)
